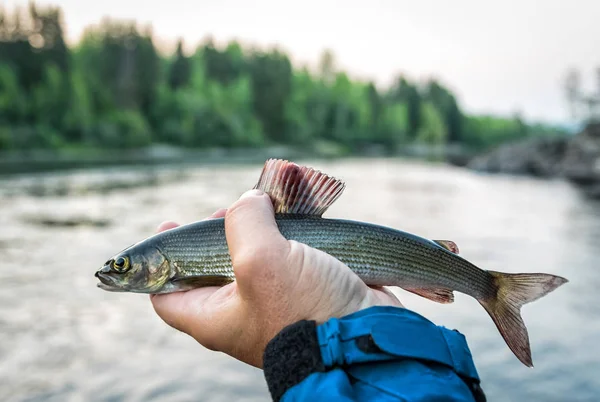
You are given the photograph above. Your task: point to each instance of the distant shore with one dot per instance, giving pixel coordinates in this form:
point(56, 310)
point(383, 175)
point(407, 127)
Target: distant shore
point(575, 158)
point(38, 161)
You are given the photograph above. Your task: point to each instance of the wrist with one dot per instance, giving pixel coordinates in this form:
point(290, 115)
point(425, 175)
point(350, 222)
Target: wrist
point(291, 356)
point(377, 334)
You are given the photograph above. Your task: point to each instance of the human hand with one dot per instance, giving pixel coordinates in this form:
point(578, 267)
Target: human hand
point(278, 282)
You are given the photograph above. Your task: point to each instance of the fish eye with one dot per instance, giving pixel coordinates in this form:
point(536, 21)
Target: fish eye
point(121, 264)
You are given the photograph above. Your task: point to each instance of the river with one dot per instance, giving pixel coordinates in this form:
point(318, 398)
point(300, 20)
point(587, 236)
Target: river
point(63, 339)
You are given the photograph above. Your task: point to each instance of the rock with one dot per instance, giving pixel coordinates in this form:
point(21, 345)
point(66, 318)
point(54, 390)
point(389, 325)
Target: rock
point(575, 158)
point(581, 162)
point(535, 156)
point(66, 221)
point(591, 190)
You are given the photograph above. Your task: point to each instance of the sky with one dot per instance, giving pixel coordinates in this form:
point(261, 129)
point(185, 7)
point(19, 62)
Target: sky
point(497, 56)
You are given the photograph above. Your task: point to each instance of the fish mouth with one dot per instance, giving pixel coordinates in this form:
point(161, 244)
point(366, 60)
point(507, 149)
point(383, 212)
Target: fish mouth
point(107, 282)
point(109, 288)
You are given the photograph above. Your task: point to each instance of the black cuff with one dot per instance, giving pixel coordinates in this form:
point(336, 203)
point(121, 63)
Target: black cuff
point(291, 356)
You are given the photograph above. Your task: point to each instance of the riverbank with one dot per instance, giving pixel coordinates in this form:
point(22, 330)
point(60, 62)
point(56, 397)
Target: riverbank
point(37, 161)
point(575, 158)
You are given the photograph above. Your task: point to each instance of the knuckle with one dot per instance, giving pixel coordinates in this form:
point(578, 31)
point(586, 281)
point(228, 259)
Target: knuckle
point(295, 253)
point(249, 259)
point(259, 262)
point(244, 203)
point(244, 259)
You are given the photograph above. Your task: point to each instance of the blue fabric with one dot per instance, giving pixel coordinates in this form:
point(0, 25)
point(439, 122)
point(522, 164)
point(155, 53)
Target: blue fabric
point(415, 360)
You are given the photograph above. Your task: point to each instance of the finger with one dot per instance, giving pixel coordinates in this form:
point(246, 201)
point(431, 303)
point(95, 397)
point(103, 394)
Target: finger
point(207, 314)
point(385, 296)
point(253, 238)
point(166, 226)
point(219, 213)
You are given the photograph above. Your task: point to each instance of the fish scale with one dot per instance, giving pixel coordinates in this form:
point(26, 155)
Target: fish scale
point(379, 256)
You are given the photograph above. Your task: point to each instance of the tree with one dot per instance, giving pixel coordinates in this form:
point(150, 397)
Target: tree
point(445, 102)
point(413, 102)
point(572, 88)
point(271, 79)
point(327, 67)
point(180, 71)
point(28, 46)
point(395, 123)
point(407, 93)
point(113, 89)
point(47, 36)
point(148, 73)
point(433, 129)
point(376, 107)
point(223, 66)
point(583, 106)
point(79, 117)
point(13, 101)
point(50, 99)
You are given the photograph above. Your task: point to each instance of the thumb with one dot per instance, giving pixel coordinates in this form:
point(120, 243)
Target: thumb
point(208, 314)
point(254, 241)
point(178, 309)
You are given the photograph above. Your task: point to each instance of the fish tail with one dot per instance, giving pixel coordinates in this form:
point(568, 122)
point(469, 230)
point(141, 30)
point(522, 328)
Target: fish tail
point(514, 291)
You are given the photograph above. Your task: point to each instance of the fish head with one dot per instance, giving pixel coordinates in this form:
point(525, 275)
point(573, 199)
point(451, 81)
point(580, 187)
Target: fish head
point(141, 268)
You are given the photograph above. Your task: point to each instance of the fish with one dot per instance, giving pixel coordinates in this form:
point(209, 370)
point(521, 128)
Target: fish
point(196, 255)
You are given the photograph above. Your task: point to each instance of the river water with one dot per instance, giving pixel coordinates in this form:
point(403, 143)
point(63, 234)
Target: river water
point(62, 339)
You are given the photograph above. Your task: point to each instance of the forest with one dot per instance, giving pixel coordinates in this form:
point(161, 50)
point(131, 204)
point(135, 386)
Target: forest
point(114, 89)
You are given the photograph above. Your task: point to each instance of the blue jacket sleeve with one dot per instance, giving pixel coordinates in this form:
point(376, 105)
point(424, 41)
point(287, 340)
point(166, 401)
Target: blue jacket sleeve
point(381, 353)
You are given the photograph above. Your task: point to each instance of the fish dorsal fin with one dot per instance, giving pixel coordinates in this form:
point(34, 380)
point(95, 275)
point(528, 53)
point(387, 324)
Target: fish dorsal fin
point(296, 189)
point(448, 245)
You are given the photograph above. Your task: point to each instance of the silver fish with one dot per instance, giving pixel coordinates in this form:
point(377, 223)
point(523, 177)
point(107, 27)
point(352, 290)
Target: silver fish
point(196, 255)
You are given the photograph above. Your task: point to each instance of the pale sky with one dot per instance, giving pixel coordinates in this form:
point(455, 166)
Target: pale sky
point(498, 56)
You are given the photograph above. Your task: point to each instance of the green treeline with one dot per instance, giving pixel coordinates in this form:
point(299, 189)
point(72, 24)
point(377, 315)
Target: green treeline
point(115, 90)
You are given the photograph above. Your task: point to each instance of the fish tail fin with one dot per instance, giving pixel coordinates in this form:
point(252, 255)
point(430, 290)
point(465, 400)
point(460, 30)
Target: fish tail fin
point(514, 291)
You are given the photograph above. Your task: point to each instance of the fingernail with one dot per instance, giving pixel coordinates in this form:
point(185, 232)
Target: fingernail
point(252, 193)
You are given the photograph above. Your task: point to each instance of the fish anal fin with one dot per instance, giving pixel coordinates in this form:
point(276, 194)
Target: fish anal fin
point(296, 189)
point(512, 292)
point(440, 295)
point(448, 245)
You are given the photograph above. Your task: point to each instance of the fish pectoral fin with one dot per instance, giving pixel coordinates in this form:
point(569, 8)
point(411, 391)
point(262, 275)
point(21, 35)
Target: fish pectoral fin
point(296, 189)
point(440, 295)
point(448, 245)
point(199, 281)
